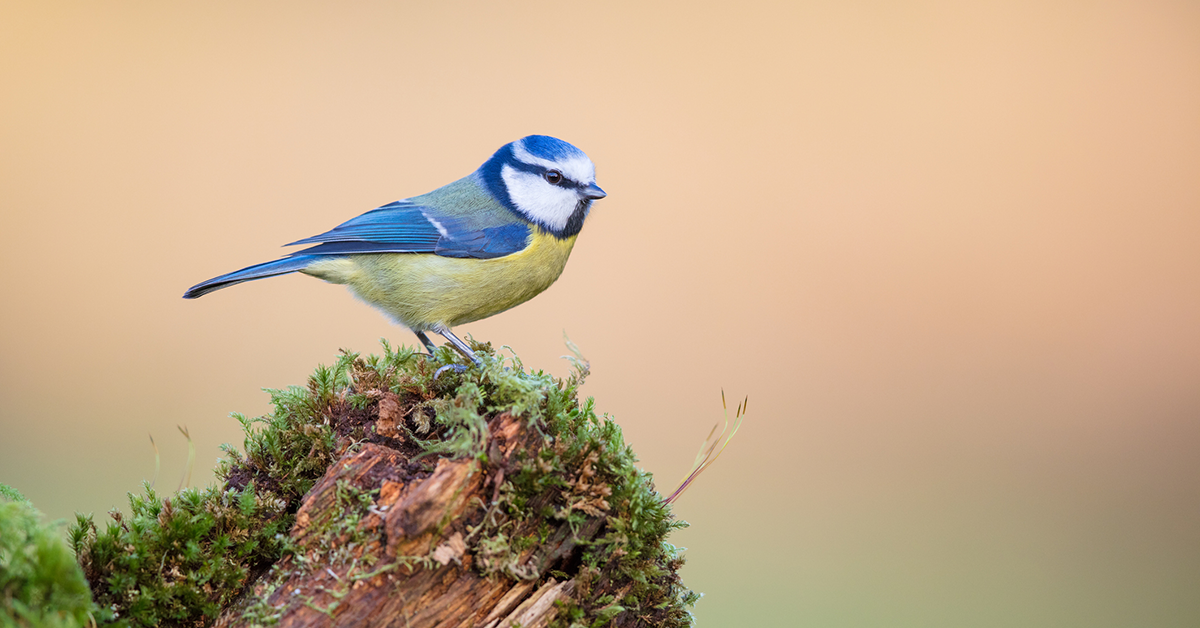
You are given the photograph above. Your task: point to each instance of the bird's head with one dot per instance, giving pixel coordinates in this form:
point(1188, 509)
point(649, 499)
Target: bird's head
point(545, 181)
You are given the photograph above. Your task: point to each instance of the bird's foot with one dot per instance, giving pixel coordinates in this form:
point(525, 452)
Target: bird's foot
point(457, 368)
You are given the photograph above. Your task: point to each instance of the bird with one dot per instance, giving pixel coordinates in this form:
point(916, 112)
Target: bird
point(463, 252)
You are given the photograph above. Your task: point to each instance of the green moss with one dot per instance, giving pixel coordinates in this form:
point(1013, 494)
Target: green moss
point(180, 560)
point(585, 470)
point(40, 583)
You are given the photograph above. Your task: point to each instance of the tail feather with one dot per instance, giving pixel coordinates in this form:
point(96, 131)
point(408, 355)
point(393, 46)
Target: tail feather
point(257, 271)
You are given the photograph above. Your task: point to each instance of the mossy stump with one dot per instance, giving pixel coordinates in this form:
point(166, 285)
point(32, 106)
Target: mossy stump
point(415, 537)
point(389, 493)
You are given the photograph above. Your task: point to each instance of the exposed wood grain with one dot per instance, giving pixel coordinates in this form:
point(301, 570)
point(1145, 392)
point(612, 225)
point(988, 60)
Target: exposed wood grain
point(403, 563)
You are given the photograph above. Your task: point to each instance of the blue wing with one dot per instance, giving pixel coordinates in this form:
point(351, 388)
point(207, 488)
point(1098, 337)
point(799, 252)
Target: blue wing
point(407, 227)
point(399, 227)
point(404, 226)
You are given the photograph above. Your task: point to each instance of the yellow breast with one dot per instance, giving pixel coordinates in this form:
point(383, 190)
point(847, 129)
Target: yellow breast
point(420, 290)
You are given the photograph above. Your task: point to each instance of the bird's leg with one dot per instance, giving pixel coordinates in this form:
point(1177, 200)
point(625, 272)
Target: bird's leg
point(458, 368)
point(458, 344)
point(425, 341)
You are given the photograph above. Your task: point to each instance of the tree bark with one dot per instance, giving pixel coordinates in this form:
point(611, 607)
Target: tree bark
point(376, 545)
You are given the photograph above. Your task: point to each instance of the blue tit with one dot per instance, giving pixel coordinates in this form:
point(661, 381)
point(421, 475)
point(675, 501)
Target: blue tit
point(463, 252)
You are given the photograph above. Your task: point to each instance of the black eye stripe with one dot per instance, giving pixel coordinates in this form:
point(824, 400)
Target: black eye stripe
point(541, 171)
point(555, 177)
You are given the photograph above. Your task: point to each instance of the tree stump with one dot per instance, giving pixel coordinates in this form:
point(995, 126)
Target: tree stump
point(390, 493)
point(403, 562)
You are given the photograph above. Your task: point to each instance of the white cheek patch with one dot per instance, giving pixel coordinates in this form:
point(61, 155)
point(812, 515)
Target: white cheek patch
point(541, 202)
point(577, 168)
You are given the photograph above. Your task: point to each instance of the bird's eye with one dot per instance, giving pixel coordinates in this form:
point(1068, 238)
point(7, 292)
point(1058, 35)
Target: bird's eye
point(554, 177)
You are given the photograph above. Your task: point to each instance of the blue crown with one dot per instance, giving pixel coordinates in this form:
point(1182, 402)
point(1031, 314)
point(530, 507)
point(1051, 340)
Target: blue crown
point(549, 148)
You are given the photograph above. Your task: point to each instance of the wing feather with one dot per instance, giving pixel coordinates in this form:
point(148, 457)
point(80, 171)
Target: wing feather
point(408, 227)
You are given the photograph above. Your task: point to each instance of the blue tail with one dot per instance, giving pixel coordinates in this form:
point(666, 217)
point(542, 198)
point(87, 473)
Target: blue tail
point(257, 271)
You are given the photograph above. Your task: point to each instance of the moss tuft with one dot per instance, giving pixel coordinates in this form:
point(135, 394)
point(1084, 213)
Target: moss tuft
point(40, 583)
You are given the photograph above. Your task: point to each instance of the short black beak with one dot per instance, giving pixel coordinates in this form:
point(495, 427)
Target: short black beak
point(593, 192)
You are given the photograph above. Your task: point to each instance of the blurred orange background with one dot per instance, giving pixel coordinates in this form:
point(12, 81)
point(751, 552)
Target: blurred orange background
point(951, 251)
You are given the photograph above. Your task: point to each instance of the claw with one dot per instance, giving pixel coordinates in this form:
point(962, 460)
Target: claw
point(457, 368)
